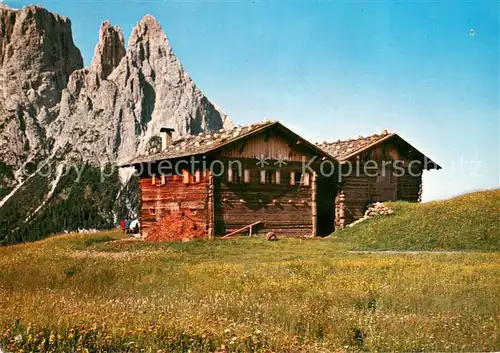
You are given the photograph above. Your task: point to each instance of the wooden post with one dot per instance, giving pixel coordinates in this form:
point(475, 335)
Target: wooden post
point(420, 189)
point(139, 211)
point(210, 206)
point(159, 206)
point(314, 206)
point(340, 210)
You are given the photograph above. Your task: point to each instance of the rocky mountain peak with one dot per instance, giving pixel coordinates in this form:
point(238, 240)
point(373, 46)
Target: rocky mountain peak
point(147, 27)
point(109, 51)
point(54, 110)
point(148, 42)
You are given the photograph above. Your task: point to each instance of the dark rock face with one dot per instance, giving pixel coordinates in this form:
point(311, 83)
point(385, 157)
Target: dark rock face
point(53, 109)
point(37, 56)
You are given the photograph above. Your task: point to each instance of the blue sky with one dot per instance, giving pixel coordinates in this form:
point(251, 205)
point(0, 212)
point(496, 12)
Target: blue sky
point(338, 69)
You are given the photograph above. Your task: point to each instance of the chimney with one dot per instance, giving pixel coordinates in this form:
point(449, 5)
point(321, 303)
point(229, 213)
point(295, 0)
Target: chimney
point(166, 137)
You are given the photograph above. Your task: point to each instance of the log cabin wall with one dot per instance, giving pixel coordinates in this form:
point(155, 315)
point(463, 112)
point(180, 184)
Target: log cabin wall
point(159, 198)
point(409, 185)
point(284, 208)
point(359, 189)
point(357, 193)
point(271, 144)
point(280, 198)
point(409, 188)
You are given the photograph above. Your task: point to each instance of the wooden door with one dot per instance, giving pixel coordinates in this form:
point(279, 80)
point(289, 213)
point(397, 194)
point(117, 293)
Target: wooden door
point(385, 187)
point(326, 191)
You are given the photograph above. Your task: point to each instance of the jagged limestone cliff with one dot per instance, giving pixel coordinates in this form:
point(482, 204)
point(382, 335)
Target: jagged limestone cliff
point(111, 110)
point(55, 112)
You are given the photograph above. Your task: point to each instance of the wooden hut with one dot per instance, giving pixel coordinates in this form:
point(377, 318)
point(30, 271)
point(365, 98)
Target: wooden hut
point(233, 178)
point(380, 167)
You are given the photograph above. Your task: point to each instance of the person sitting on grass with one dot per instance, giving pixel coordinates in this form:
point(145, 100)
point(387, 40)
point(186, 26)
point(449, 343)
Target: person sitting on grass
point(127, 225)
point(134, 226)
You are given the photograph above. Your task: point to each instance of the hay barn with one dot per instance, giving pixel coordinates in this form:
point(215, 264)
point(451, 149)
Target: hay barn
point(230, 179)
point(380, 167)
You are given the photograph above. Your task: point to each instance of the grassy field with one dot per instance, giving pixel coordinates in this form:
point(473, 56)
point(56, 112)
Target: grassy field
point(77, 293)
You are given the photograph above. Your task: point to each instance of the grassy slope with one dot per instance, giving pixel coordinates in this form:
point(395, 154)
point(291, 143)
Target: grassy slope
point(76, 291)
point(469, 222)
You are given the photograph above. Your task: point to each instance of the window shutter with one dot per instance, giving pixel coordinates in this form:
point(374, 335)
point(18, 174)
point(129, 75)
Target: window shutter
point(262, 176)
point(153, 180)
point(292, 178)
point(230, 175)
point(185, 176)
point(278, 177)
point(306, 177)
point(246, 176)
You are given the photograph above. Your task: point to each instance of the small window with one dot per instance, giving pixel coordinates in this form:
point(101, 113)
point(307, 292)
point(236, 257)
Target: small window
point(152, 211)
point(153, 180)
point(299, 178)
point(234, 176)
point(163, 179)
point(268, 176)
point(238, 178)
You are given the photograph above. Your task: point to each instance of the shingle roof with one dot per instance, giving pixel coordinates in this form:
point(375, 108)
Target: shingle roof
point(344, 149)
point(204, 143)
